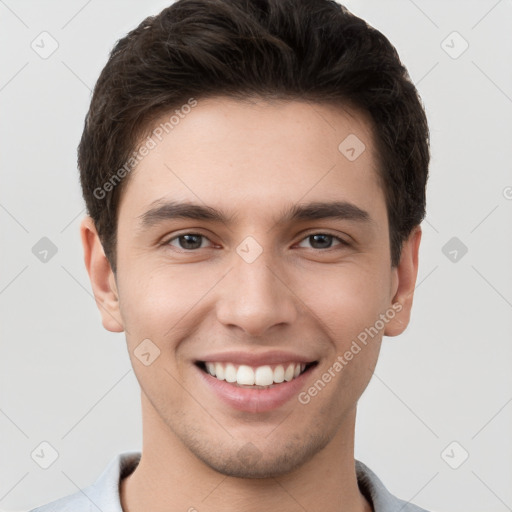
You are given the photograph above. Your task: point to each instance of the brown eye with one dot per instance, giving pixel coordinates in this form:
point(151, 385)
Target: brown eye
point(188, 241)
point(323, 240)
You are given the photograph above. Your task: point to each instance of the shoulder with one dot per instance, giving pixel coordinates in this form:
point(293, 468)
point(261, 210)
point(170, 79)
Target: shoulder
point(103, 494)
point(77, 502)
point(378, 495)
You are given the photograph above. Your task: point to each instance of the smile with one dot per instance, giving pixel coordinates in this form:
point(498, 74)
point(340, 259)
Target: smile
point(254, 382)
point(264, 376)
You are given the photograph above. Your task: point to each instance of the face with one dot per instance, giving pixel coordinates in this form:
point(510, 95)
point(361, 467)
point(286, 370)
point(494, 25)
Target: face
point(252, 248)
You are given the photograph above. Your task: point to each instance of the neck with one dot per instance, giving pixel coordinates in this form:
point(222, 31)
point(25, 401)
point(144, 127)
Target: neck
point(170, 478)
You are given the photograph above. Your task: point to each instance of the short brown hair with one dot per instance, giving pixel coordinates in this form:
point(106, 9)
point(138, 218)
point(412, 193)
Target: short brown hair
point(314, 50)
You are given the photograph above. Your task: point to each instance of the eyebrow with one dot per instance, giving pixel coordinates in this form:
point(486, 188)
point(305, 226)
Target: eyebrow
point(317, 210)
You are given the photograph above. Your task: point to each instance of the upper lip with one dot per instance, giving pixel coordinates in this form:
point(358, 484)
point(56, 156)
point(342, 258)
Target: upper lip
point(256, 358)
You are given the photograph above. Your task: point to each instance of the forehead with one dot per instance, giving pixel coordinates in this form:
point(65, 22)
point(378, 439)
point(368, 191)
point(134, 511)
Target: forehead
point(254, 154)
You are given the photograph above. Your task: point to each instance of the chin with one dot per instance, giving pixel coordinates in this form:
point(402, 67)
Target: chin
point(248, 461)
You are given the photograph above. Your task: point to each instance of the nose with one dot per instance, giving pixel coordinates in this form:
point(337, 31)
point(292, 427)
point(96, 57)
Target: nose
point(256, 297)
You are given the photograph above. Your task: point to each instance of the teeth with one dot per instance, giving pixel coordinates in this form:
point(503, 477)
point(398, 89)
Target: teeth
point(263, 376)
point(230, 373)
point(279, 374)
point(245, 375)
point(290, 371)
point(219, 371)
point(260, 376)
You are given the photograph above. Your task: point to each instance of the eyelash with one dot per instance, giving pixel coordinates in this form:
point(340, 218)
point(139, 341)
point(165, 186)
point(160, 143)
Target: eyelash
point(342, 243)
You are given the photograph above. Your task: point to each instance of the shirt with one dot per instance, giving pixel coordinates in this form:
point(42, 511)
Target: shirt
point(103, 494)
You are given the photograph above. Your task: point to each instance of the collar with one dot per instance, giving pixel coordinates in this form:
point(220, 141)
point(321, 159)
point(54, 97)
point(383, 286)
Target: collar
point(104, 494)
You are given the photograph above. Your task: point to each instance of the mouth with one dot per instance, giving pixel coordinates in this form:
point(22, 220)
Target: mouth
point(255, 377)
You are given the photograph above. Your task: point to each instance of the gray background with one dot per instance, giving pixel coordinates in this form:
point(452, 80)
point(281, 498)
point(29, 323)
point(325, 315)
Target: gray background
point(66, 381)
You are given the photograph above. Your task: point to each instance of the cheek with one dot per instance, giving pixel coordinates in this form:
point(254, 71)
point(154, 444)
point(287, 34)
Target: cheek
point(347, 303)
point(159, 306)
point(161, 303)
point(346, 299)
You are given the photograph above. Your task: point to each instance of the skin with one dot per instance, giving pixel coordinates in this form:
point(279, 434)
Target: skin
point(253, 159)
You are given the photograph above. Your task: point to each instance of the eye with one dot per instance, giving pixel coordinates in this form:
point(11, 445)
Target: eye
point(193, 241)
point(323, 240)
point(188, 241)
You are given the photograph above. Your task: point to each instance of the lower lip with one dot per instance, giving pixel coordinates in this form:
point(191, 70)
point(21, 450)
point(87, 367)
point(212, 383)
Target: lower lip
point(255, 400)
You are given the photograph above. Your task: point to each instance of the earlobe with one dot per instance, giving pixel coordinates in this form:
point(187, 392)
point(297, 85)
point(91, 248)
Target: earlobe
point(101, 276)
point(406, 274)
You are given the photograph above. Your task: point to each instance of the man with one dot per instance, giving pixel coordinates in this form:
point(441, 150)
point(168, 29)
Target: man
point(254, 173)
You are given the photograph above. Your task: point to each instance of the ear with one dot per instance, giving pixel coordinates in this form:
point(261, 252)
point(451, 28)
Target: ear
point(404, 283)
point(101, 276)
